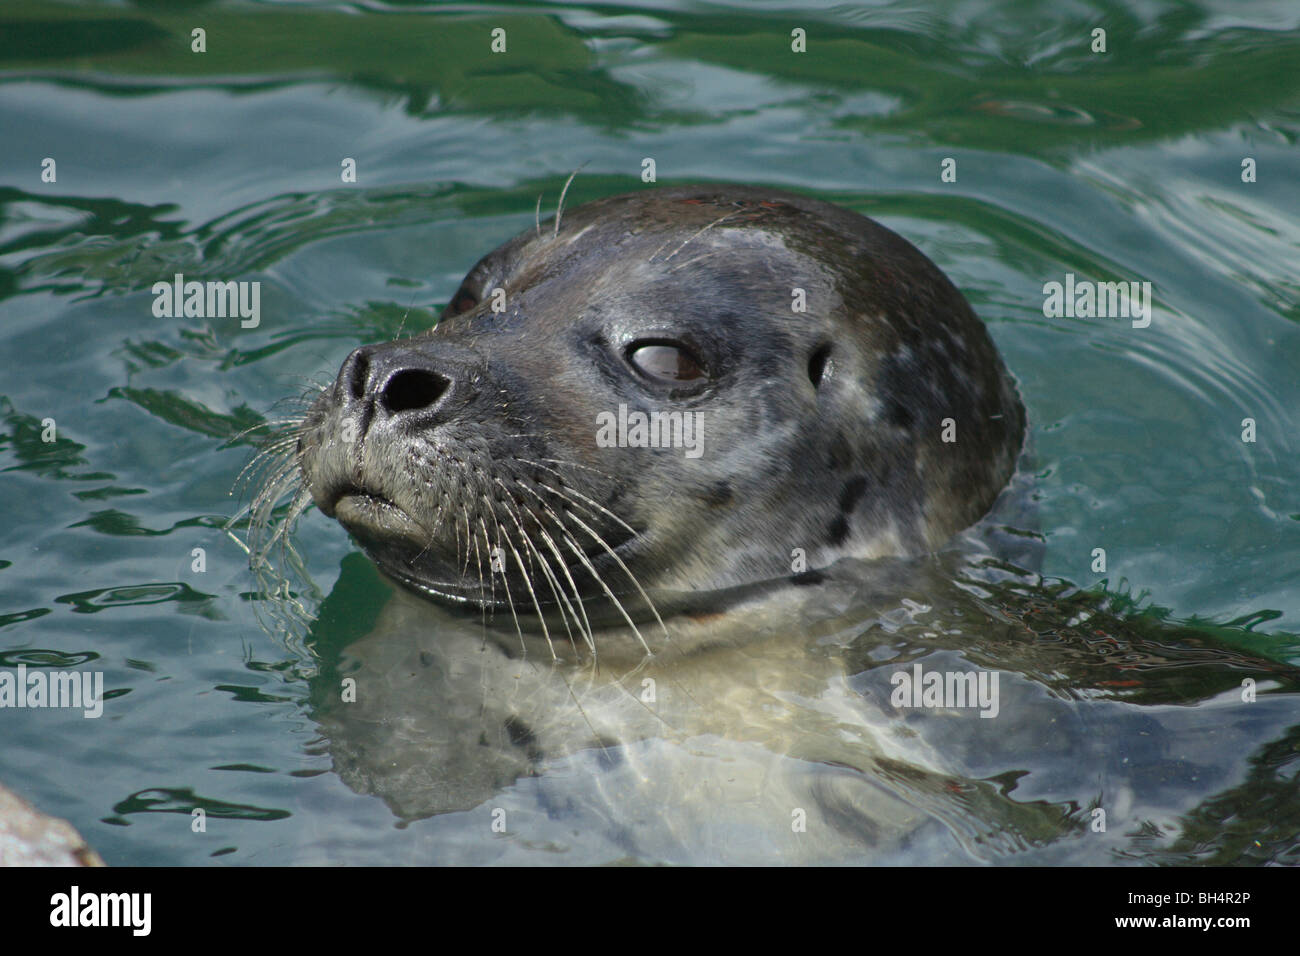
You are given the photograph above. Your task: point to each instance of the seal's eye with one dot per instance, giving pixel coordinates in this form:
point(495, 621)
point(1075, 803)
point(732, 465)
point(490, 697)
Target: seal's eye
point(463, 302)
point(665, 361)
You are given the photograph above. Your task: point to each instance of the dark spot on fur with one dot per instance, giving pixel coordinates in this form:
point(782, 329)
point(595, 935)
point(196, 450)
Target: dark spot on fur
point(840, 456)
point(908, 387)
point(804, 578)
point(720, 494)
point(839, 531)
point(898, 414)
point(853, 489)
point(426, 659)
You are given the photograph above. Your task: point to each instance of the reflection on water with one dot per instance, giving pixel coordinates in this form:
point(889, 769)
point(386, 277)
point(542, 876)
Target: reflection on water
point(1124, 694)
point(796, 733)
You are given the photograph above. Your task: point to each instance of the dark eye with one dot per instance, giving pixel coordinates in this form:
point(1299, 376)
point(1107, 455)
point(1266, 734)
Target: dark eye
point(463, 301)
point(665, 361)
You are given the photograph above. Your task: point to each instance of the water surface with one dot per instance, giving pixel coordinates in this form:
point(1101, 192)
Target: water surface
point(1122, 166)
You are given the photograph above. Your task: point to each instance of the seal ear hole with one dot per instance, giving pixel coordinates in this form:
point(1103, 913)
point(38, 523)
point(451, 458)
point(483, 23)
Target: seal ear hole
point(819, 365)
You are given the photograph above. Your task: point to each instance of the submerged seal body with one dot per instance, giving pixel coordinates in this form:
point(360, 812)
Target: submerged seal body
point(688, 389)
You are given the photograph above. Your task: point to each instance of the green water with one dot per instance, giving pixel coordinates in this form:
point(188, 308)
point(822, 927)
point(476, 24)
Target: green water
point(225, 165)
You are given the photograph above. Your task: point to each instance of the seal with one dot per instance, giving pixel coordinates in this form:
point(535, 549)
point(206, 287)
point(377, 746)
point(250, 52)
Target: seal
point(679, 391)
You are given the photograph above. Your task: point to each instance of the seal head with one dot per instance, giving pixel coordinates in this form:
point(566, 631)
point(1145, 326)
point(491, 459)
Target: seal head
point(684, 389)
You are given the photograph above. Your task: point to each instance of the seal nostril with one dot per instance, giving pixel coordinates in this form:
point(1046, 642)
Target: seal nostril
point(357, 376)
point(412, 389)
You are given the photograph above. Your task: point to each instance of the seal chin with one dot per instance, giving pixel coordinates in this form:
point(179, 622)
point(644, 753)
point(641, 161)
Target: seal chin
point(447, 592)
point(403, 548)
point(371, 516)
